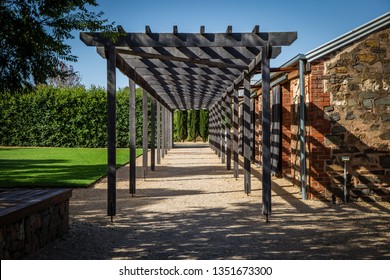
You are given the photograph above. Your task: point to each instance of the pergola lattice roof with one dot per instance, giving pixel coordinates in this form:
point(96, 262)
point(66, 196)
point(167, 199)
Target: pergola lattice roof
point(191, 71)
point(188, 70)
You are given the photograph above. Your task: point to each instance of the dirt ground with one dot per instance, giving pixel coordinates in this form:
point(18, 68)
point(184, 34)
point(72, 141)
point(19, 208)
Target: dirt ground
point(191, 207)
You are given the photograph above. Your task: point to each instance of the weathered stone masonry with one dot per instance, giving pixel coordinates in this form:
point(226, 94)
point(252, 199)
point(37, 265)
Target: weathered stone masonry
point(357, 80)
point(347, 113)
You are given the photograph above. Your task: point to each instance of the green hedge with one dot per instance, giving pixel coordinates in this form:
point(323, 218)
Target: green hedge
point(64, 117)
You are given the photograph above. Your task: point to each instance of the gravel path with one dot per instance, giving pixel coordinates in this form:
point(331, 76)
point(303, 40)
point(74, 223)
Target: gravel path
point(192, 208)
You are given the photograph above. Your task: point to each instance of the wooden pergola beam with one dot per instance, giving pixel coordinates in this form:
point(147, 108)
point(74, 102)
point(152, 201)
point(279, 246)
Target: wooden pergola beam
point(191, 39)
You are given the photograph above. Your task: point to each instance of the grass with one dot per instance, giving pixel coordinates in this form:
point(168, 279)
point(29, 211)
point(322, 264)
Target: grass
point(55, 167)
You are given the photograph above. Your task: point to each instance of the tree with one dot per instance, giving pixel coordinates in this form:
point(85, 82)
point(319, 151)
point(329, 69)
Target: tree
point(193, 125)
point(181, 125)
point(33, 34)
point(204, 124)
point(68, 77)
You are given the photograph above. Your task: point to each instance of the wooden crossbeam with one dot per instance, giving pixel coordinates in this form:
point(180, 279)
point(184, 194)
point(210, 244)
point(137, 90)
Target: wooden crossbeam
point(162, 61)
point(191, 39)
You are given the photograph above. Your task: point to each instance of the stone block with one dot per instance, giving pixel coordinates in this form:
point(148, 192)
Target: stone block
point(383, 101)
point(335, 117)
point(385, 135)
point(384, 160)
point(368, 103)
point(375, 127)
point(366, 57)
point(378, 50)
point(385, 117)
point(328, 109)
point(367, 95)
point(351, 102)
point(372, 43)
point(386, 68)
point(350, 116)
point(341, 69)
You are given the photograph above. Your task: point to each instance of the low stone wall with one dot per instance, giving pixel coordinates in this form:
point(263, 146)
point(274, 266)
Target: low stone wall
point(25, 235)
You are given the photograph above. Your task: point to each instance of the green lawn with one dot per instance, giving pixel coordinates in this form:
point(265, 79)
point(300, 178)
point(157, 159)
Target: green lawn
point(55, 167)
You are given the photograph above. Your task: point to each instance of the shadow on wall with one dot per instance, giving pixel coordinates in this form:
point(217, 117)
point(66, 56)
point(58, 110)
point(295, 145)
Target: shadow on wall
point(327, 141)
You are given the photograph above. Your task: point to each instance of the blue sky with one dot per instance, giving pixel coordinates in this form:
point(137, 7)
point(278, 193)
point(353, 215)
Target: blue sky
point(316, 21)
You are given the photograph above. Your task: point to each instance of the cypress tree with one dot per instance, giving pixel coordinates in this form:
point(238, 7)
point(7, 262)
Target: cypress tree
point(193, 125)
point(204, 124)
point(181, 125)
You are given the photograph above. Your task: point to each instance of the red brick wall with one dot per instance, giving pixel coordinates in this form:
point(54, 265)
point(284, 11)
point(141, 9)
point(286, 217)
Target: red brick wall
point(318, 126)
point(286, 129)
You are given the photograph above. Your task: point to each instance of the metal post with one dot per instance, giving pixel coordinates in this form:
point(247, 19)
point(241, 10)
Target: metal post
point(158, 133)
point(302, 126)
point(145, 133)
point(241, 146)
point(111, 132)
point(235, 137)
point(266, 131)
point(228, 131)
point(153, 135)
point(132, 136)
point(246, 133)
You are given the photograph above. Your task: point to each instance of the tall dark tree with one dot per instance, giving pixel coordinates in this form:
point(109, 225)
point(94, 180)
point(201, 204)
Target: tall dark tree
point(33, 35)
point(193, 125)
point(204, 124)
point(181, 125)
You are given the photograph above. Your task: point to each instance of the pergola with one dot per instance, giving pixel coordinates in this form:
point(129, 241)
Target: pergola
point(183, 71)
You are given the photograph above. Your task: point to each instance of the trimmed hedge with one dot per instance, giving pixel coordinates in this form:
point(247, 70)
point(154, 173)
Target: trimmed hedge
point(64, 117)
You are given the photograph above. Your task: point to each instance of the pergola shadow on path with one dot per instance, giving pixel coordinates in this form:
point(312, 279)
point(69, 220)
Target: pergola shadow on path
point(182, 212)
point(182, 71)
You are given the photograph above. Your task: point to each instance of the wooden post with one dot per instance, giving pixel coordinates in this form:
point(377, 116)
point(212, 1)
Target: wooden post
point(132, 136)
point(166, 130)
point(111, 131)
point(163, 131)
point(228, 107)
point(145, 133)
point(213, 142)
point(235, 131)
point(223, 129)
point(158, 133)
point(266, 132)
point(247, 133)
point(153, 135)
point(172, 129)
point(170, 122)
point(253, 144)
point(218, 123)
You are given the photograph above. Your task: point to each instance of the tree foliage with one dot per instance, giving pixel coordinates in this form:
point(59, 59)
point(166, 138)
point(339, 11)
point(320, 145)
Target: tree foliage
point(68, 78)
point(204, 124)
point(193, 125)
point(33, 35)
point(181, 125)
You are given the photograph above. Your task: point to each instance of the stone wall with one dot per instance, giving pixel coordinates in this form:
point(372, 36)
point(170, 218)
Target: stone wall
point(25, 237)
point(357, 80)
